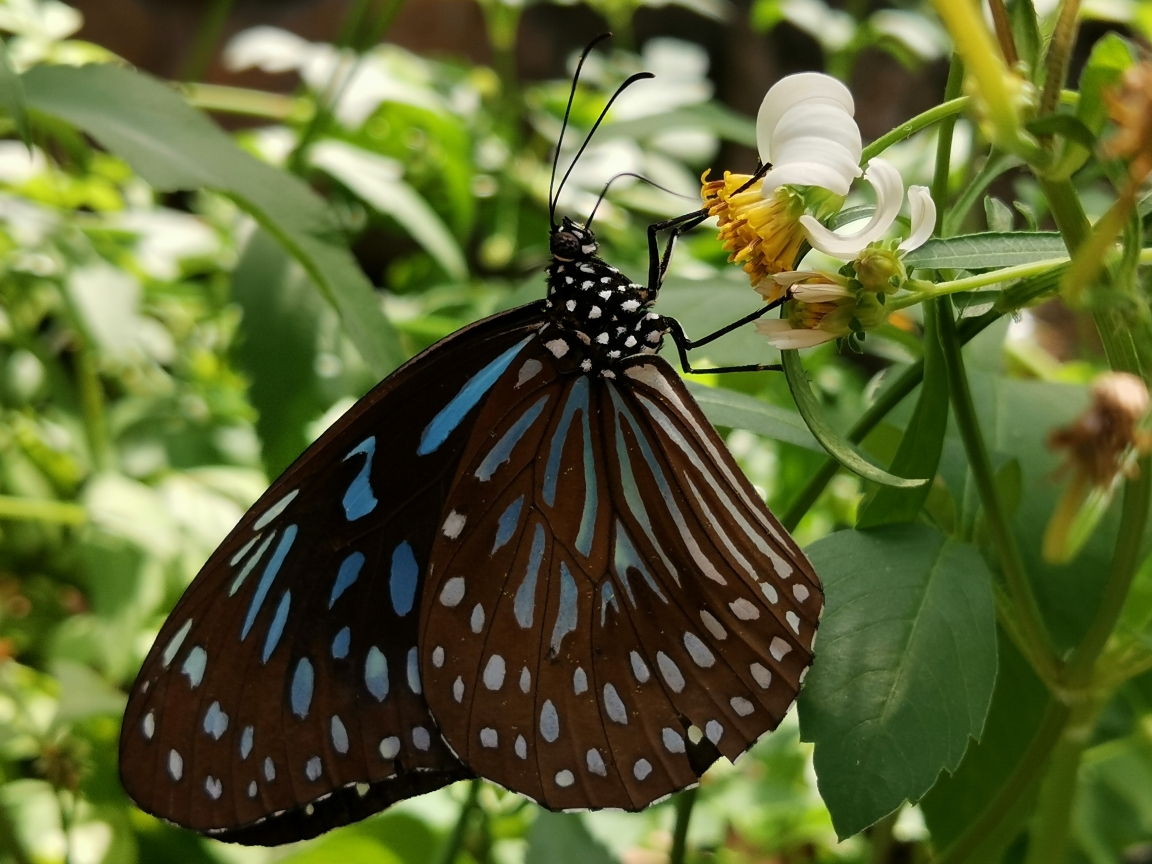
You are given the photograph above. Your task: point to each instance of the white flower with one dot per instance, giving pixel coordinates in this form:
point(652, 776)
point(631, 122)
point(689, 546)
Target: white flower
point(806, 131)
point(782, 335)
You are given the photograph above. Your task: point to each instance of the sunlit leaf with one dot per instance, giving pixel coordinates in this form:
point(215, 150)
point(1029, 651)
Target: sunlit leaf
point(986, 251)
point(174, 147)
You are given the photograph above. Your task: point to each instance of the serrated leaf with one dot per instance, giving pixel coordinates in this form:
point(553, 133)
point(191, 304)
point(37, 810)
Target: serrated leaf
point(12, 98)
point(904, 670)
point(735, 410)
point(832, 441)
point(986, 251)
point(562, 838)
point(174, 147)
point(922, 441)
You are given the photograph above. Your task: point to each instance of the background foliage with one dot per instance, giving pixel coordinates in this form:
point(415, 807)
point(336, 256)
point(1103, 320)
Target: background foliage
point(183, 309)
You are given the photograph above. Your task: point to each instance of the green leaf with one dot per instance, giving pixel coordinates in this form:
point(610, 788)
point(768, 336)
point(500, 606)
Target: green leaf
point(831, 440)
point(704, 117)
point(922, 442)
point(345, 847)
point(1110, 56)
point(904, 670)
point(377, 181)
point(12, 97)
point(1066, 126)
point(707, 305)
point(1026, 34)
point(986, 251)
point(277, 348)
point(562, 838)
point(958, 799)
point(173, 147)
point(998, 214)
point(738, 411)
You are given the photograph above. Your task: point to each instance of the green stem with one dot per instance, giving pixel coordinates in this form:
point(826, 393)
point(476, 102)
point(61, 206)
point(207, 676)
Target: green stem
point(207, 37)
point(1041, 653)
point(1049, 835)
point(1059, 50)
point(1031, 766)
point(92, 405)
point(33, 510)
point(685, 801)
point(944, 144)
point(909, 128)
point(455, 841)
point(968, 283)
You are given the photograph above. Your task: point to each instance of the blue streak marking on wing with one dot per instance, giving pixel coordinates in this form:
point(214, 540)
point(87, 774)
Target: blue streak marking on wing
point(250, 564)
point(577, 401)
point(607, 595)
point(451, 415)
point(276, 630)
point(526, 594)
point(566, 617)
point(269, 576)
point(628, 479)
point(302, 681)
point(588, 518)
point(349, 571)
point(508, 522)
point(626, 556)
point(376, 673)
point(402, 583)
point(359, 500)
point(501, 453)
point(340, 644)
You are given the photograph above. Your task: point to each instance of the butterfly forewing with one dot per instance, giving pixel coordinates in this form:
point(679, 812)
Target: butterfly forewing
point(614, 599)
point(283, 695)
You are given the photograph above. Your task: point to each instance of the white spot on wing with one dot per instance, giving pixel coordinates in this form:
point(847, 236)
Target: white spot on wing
point(800, 592)
point(558, 347)
point(453, 525)
point(671, 672)
point(770, 592)
point(744, 610)
point(579, 681)
point(494, 672)
point(549, 722)
point(213, 787)
point(477, 621)
point(438, 656)
point(275, 510)
point(389, 747)
point(521, 747)
point(458, 689)
point(714, 731)
point(529, 371)
point(698, 651)
point(148, 726)
point(778, 648)
point(453, 591)
point(614, 706)
point(793, 620)
point(641, 769)
point(712, 625)
point(639, 668)
point(741, 706)
point(489, 738)
point(762, 675)
point(421, 739)
point(595, 763)
point(525, 680)
point(175, 765)
point(564, 778)
point(673, 740)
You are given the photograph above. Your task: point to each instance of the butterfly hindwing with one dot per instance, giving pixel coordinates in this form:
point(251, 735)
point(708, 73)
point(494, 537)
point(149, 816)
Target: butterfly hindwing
point(283, 696)
point(614, 600)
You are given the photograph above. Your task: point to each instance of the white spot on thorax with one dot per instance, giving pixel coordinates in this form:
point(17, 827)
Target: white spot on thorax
point(558, 347)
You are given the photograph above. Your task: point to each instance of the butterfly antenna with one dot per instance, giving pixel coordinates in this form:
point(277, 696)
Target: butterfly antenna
point(639, 177)
point(639, 76)
point(564, 126)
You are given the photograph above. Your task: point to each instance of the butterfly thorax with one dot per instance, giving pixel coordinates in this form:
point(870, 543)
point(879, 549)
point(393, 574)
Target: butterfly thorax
point(602, 316)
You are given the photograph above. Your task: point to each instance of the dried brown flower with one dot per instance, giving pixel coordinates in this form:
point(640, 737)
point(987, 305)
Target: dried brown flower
point(1130, 107)
point(1104, 435)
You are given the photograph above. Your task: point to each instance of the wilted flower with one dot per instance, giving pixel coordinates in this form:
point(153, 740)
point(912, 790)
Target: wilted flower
point(1102, 447)
point(824, 307)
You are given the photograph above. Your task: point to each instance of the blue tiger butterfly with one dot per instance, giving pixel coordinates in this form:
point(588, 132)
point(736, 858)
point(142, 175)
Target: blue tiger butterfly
point(526, 555)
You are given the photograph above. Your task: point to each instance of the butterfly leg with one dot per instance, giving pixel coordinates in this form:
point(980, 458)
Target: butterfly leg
point(684, 344)
point(657, 263)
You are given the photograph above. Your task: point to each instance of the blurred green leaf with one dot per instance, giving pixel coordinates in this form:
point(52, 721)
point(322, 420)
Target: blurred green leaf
point(832, 441)
point(706, 117)
point(84, 693)
point(1026, 34)
point(922, 441)
point(562, 838)
point(345, 848)
point(175, 147)
point(986, 251)
point(904, 670)
point(12, 97)
point(958, 799)
point(277, 348)
point(737, 411)
point(378, 181)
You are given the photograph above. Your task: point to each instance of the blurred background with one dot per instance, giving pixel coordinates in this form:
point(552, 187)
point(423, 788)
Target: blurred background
point(161, 357)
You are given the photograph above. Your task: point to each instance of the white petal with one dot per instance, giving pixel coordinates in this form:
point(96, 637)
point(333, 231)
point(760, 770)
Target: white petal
point(923, 217)
point(787, 338)
point(806, 174)
point(826, 122)
point(791, 277)
point(825, 152)
point(788, 92)
point(819, 292)
point(885, 180)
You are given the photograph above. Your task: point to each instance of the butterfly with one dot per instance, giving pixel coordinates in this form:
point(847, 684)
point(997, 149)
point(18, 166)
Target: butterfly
point(526, 555)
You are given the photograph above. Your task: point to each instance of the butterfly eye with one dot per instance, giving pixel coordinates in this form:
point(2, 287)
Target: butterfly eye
point(565, 245)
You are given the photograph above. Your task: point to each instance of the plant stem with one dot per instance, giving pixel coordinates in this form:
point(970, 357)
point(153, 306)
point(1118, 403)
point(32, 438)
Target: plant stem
point(909, 128)
point(1059, 50)
point(92, 405)
point(685, 801)
point(1054, 808)
point(1033, 763)
point(944, 144)
point(34, 510)
point(1003, 26)
point(455, 840)
point(1041, 653)
point(207, 37)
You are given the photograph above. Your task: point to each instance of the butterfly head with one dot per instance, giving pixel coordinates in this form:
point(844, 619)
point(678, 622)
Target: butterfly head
point(570, 242)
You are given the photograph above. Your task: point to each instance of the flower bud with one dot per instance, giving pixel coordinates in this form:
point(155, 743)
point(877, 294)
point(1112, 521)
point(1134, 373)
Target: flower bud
point(880, 269)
